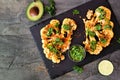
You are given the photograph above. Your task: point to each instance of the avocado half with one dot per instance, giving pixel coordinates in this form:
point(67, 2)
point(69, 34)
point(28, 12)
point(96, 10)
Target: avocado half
point(35, 10)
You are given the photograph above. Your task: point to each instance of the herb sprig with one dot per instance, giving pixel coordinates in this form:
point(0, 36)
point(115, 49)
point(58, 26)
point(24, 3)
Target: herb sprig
point(51, 8)
point(66, 27)
point(102, 13)
point(90, 33)
point(118, 40)
point(75, 12)
point(49, 33)
point(98, 27)
point(93, 45)
point(103, 40)
point(78, 69)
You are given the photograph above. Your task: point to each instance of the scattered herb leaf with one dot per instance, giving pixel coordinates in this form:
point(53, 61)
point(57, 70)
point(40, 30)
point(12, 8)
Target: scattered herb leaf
point(90, 33)
point(51, 8)
point(103, 40)
point(50, 30)
point(57, 25)
point(86, 31)
point(93, 45)
point(107, 27)
point(118, 40)
point(57, 32)
point(102, 13)
point(52, 49)
point(58, 41)
point(78, 69)
point(99, 10)
point(98, 27)
point(66, 27)
point(75, 12)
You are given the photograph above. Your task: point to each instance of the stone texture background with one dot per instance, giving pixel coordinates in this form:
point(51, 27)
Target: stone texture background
point(19, 56)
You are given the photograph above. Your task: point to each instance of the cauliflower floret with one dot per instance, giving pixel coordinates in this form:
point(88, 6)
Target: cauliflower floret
point(55, 22)
point(108, 12)
point(68, 26)
point(55, 59)
point(89, 14)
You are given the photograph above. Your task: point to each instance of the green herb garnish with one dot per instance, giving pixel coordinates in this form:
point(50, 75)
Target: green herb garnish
point(118, 40)
point(91, 33)
point(102, 13)
point(87, 31)
point(103, 40)
point(98, 27)
point(99, 10)
point(107, 26)
point(57, 32)
point(57, 25)
point(52, 49)
point(51, 8)
point(75, 12)
point(50, 31)
point(78, 69)
point(66, 27)
point(58, 41)
point(93, 45)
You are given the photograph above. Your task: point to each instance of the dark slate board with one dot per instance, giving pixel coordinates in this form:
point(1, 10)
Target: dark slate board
point(65, 66)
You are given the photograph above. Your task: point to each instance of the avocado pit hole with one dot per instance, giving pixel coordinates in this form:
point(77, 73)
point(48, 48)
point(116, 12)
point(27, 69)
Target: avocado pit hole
point(34, 11)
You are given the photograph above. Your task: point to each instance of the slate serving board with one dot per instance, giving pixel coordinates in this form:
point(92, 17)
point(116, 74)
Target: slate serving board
point(65, 66)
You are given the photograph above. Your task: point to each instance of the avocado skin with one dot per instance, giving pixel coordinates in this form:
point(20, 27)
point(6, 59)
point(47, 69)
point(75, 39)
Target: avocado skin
point(38, 4)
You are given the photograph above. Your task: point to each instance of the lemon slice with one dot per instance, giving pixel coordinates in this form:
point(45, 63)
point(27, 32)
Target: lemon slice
point(105, 67)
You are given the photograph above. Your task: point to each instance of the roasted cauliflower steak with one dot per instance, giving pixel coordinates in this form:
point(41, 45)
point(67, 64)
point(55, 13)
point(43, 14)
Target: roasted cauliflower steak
point(56, 39)
point(99, 30)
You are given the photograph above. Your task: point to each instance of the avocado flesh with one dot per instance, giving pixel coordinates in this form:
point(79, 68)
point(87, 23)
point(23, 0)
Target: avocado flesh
point(35, 11)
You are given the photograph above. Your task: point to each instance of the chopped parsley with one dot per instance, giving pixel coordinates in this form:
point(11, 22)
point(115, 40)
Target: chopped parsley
point(54, 44)
point(50, 31)
point(57, 32)
point(118, 40)
point(57, 25)
point(52, 49)
point(66, 27)
point(99, 10)
point(75, 12)
point(58, 41)
point(103, 40)
point(102, 13)
point(78, 69)
point(90, 33)
point(93, 45)
point(51, 8)
point(107, 26)
point(98, 27)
